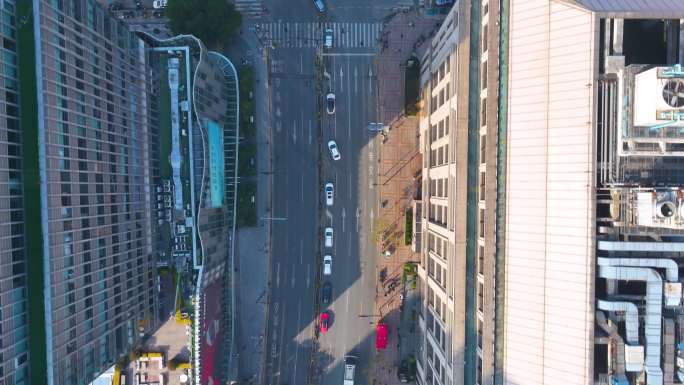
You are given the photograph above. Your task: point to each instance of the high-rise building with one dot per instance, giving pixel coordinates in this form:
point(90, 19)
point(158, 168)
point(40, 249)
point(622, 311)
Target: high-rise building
point(530, 129)
point(83, 180)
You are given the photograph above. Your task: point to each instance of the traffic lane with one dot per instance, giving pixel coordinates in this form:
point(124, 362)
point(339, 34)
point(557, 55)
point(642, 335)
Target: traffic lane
point(300, 197)
point(293, 311)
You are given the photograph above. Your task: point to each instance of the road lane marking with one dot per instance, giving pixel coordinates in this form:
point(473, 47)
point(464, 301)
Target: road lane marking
point(348, 109)
point(344, 214)
point(301, 251)
point(356, 80)
point(309, 131)
point(277, 275)
point(301, 63)
point(308, 274)
point(294, 131)
point(292, 280)
point(299, 321)
point(341, 80)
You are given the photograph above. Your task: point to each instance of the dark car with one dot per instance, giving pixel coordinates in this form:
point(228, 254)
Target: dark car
point(326, 294)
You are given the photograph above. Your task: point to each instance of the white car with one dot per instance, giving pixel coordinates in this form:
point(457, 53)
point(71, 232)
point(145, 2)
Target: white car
point(334, 152)
point(158, 4)
point(328, 237)
point(327, 265)
point(329, 192)
point(330, 103)
point(328, 38)
point(319, 5)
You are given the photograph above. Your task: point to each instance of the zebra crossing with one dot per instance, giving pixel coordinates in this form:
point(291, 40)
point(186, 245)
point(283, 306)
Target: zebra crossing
point(309, 35)
point(249, 8)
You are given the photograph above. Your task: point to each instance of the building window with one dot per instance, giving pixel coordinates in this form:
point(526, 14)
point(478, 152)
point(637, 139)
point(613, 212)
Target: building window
point(484, 38)
point(480, 297)
point(480, 260)
point(483, 112)
point(484, 75)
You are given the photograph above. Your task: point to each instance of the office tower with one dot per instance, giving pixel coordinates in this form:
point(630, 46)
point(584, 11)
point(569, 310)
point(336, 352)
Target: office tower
point(519, 97)
point(14, 343)
point(81, 167)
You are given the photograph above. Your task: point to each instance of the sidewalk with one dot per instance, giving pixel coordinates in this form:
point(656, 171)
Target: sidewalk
point(253, 243)
point(398, 178)
point(402, 36)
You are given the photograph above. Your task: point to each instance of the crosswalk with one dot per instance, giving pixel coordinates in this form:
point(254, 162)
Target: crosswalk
point(249, 8)
point(309, 35)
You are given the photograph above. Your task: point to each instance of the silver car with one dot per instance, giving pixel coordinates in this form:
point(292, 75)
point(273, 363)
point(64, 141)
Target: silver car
point(329, 192)
point(334, 151)
point(328, 237)
point(319, 5)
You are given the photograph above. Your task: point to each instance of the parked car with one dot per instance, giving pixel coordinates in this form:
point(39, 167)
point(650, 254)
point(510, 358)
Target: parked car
point(329, 193)
point(157, 4)
point(326, 292)
point(324, 322)
point(328, 38)
point(381, 336)
point(327, 265)
point(319, 5)
point(334, 151)
point(330, 103)
point(328, 237)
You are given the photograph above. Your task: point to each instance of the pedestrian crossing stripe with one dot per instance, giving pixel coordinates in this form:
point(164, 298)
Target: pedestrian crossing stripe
point(249, 8)
point(310, 34)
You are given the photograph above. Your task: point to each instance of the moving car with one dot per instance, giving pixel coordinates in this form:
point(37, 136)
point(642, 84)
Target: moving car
point(381, 336)
point(319, 5)
point(334, 151)
point(157, 4)
point(327, 265)
point(330, 103)
point(324, 322)
point(349, 369)
point(328, 237)
point(326, 292)
point(328, 38)
point(329, 192)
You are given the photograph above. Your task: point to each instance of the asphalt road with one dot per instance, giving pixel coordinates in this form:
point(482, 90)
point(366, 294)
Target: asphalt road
point(299, 213)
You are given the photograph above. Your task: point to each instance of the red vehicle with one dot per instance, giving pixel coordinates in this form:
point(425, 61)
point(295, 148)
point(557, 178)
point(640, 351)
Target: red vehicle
point(324, 322)
point(381, 336)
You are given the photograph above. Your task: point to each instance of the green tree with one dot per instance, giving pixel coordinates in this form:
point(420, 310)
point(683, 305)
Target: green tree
point(212, 21)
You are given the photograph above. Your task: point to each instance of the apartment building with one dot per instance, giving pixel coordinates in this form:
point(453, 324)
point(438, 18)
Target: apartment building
point(510, 143)
point(81, 164)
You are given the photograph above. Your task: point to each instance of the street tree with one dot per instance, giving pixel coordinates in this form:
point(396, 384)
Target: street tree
point(212, 21)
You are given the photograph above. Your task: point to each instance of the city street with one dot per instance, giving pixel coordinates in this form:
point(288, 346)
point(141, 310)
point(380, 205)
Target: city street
point(300, 128)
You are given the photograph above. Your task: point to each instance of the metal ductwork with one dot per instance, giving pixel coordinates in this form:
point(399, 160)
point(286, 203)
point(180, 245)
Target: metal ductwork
point(670, 266)
point(631, 318)
point(653, 314)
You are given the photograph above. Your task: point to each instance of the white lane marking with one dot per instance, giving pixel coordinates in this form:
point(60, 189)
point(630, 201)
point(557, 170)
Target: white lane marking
point(344, 214)
point(292, 280)
point(277, 274)
point(308, 274)
point(329, 215)
point(348, 104)
point(294, 131)
point(341, 80)
point(301, 251)
point(299, 320)
point(357, 219)
point(309, 131)
point(356, 80)
point(301, 187)
point(301, 63)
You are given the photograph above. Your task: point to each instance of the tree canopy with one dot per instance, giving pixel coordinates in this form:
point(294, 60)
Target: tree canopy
point(212, 21)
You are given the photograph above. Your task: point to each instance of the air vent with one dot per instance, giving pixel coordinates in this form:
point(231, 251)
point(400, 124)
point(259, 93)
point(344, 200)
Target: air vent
point(673, 93)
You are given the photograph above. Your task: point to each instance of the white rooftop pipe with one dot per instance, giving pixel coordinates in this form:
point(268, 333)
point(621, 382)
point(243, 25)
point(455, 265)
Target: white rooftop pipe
point(631, 318)
point(654, 303)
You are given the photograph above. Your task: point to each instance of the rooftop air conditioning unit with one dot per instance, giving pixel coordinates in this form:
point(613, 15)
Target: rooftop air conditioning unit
point(659, 97)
